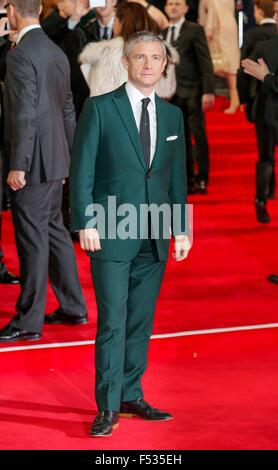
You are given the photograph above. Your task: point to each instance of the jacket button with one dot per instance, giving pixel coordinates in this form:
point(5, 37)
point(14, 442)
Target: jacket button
point(148, 175)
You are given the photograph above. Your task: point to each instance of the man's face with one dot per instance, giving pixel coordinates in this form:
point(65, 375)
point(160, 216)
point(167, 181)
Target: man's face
point(145, 64)
point(176, 9)
point(102, 12)
point(275, 13)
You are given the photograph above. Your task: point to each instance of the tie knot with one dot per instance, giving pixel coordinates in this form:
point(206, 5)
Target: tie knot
point(145, 102)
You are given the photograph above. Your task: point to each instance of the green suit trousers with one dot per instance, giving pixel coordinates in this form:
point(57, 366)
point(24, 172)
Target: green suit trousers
point(126, 295)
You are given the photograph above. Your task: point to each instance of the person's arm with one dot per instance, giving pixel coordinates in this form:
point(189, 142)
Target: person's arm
point(55, 26)
point(270, 83)
point(82, 175)
point(21, 81)
point(178, 196)
point(69, 111)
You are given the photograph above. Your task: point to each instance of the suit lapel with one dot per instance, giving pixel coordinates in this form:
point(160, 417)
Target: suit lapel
point(161, 129)
point(125, 110)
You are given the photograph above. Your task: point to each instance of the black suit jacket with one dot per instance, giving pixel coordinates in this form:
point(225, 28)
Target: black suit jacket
point(268, 90)
point(257, 34)
point(39, 112)
point(72, 44)
point(194, 74)
point(55, 26)
point(246, 85)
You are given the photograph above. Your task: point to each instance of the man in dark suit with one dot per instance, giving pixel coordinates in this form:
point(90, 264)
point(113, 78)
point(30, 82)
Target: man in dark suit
point(5, 276)
point(129, 143)
point(195, 88)
point(265, 70)
point(39, 126)
point(264, 116)
point(265, 27)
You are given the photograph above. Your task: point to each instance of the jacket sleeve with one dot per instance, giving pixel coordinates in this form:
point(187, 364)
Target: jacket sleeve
point(82, 169)
point(204, 60)
point(22, 86)
point(270, 84)
point(178, 185)
point(69, 112)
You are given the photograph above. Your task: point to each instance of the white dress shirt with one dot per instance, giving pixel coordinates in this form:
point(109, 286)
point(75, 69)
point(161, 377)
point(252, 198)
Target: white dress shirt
point(177, 26)
point(26, 30)
point(109, 28)
point(135, 98)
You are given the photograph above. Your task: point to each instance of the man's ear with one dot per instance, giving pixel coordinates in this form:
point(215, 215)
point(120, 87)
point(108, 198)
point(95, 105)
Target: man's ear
point(124, 61)
point(40, 12)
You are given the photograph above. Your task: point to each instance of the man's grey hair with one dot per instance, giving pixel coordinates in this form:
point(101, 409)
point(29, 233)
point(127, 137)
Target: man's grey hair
point(28, 8)
point(143, 36)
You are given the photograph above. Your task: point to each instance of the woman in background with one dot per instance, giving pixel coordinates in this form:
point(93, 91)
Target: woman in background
point(218, 19)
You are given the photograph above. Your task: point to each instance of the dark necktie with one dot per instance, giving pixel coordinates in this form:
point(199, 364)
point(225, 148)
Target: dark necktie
point(105, 33)
point(172, 39)
point(145, 134)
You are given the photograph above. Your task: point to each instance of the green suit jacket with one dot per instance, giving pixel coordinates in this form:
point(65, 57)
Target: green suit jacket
point(108, 160)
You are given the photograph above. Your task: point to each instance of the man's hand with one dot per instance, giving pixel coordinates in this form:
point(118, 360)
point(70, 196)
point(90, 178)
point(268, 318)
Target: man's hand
point(257, 70)
point(3, 31)
point(89, 239)
point(182, 247)
point(16, 180)
point(208, 100)
point(79, 10)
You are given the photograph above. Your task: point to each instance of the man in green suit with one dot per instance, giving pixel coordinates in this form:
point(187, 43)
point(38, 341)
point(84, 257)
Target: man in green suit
point(129, 144)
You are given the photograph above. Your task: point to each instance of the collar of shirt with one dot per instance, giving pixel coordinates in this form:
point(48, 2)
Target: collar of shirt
point(135, 96)
point(26, 30)
point(178, 26)
point(109, 25)
point(268, 20)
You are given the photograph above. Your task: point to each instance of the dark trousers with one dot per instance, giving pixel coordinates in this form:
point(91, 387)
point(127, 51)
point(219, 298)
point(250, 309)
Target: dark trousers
point(266, 142)
point(44, 249)
point(2, 266)
point(194, 126)
point(265, 167)
point(126, 294)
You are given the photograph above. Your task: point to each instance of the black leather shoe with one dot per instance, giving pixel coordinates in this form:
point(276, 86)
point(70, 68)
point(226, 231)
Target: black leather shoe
point(273, 278)
point(104, 423)
point(8, 278)
point(10, 333)
point(262, 214)
point(60, 318)
point(143, 410)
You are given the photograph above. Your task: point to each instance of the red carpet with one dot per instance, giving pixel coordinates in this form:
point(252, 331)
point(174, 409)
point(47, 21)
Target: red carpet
point(222, 390)
point(223, 283)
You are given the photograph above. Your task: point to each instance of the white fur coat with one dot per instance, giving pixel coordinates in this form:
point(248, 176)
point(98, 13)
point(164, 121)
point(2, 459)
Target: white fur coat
point(103, 70)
